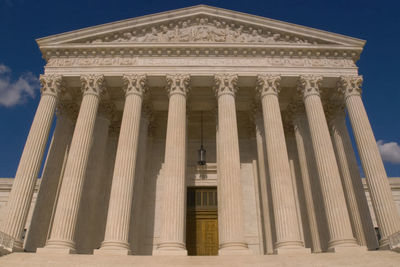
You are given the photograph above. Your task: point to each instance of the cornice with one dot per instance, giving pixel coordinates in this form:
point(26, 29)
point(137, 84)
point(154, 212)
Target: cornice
point(186, 13)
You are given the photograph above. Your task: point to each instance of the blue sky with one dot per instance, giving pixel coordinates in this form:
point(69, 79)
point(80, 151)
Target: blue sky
point(23, 21)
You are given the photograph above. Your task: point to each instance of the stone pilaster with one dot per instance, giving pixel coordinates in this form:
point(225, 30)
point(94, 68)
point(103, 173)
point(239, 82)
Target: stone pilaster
point(301, 132)
point(172, 236)
point(230, 214)
point(286, 220)
point(51, 177)
point(384, 207)
point(340, 231)
point(63, 231)
point(357, 204)
point(262, 173)
point(119, 209)
point(28, 169)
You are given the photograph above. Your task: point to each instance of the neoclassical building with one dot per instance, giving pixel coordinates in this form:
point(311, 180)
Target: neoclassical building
point(200, 131)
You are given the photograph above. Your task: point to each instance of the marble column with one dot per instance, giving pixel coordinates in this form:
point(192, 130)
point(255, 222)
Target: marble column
point(230, 203)
point(285, 211)
point(262, 172)
point(172, 235)
point(63, 231)
point(340, 232)
point(21, 193)
point(301, 132)
point(357, 203)
point(51, 177)
point(120, 206)
point(89, 210)
point(378, 185)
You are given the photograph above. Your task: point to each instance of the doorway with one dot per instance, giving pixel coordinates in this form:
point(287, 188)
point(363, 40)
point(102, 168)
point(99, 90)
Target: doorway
point(202, 221)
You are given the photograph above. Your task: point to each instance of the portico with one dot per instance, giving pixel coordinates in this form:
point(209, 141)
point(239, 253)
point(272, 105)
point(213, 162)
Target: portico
point(128, 98)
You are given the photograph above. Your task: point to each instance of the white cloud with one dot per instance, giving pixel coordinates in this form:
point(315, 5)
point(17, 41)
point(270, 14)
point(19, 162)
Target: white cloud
point(390, 151)
point(16, 92)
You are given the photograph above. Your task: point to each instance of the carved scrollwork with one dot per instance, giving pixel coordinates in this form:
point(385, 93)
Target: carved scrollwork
point(178, 84)
point(226, 84)
point(309, 85)
point(350, 85)
point(93, 84)
point(51, 84)
point(135, 84)
point(268, 84)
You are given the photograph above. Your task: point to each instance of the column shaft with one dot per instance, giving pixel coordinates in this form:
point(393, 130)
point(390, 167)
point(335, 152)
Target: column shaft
point(340, 232)
point(300, 124)
point(267, 225)
point(62, 235)
point(230, 203)
point(21, 193)
point(41, 217)
point(381, 196)
point(172, 236)
point(120, 206)
point(352, 185)
point(285, 211)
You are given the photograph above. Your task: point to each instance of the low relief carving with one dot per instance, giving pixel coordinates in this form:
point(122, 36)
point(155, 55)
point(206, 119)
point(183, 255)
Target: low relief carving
point(202, 29)
point(139, 61)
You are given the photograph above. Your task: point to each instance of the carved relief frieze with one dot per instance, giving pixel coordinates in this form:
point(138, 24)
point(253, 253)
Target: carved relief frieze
point(223, 61)
point(205, 29)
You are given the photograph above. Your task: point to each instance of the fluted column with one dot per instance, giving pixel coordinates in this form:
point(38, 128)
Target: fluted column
point(51, 178)
point(300, 131)
point(378, 185)
point(172, 236)
point(357, 204)
point(285, 213)
point(63, 231)
point(28, 169)
point(267, 225)
point(119, 209)
point(230, 213)
point(340, 232)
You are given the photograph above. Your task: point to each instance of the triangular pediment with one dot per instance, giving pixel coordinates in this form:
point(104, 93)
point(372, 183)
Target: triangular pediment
point(200, 25)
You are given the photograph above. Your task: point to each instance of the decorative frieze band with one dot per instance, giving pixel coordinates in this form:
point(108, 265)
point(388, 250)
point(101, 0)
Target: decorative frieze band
point(132, 60)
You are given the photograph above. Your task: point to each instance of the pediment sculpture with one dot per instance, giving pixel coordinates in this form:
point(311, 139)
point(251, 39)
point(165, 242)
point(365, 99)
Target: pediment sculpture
point(203, 30)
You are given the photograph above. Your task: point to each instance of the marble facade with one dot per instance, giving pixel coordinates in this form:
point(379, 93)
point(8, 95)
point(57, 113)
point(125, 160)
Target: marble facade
point(128, 97)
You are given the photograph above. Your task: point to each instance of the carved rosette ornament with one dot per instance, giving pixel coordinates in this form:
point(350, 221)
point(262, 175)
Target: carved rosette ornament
point(51, 84)
point(135, 84)
point(268, 84)
point(226, 84)
point(350, 85)
point(94, 84)
point(178, 84)
point(309, 85)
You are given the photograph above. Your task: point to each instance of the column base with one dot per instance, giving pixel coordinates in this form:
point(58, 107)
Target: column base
point(348, 248)
point(234, 249)
point(170, 252)
point(56, 250)
point(110, 251)
point(297, 250)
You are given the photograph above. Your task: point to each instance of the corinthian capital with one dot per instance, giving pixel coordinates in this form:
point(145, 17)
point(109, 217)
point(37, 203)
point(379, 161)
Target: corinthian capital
point(226, 84)
point(178, 84)
point(51, 84)
point(93, 84)
point(309, 85)
point(268, 84)
point(135, 84)
point(350, 85)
